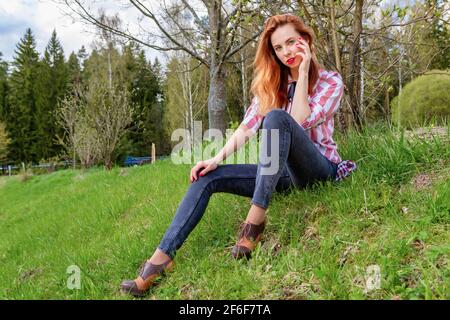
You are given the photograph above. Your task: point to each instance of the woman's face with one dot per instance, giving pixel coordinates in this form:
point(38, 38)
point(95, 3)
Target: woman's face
point(284, 40)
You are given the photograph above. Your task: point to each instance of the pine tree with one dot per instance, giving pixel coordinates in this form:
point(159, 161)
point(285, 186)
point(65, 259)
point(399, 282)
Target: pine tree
point(20, 120)
point(440, 35)
point(73, 71)
point(4, 88)
point(4, 141)
point(52, 87)
point(82, 55)
point(146, 90)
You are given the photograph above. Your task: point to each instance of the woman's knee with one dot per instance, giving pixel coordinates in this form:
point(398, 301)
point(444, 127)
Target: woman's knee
point(206, 182)
point(276, 118)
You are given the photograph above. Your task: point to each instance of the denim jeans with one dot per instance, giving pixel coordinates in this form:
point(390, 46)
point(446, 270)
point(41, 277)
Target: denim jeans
point(300, 164)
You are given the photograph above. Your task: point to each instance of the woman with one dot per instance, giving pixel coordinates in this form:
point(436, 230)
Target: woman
point(303, 122)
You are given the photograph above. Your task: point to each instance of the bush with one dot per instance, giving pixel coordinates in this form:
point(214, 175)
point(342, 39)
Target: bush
point(26, 173)
point(423, 101)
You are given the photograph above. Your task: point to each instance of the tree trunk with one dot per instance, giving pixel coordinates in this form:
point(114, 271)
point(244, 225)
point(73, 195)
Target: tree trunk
point(337, 57)
point(217, 99)
point(387, 112)
point(217, 95)
point(342, 118)
point(353, 83)
point(243, 77)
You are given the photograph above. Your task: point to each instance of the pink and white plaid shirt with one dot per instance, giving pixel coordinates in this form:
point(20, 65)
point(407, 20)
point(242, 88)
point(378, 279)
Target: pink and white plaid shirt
point(319, 126)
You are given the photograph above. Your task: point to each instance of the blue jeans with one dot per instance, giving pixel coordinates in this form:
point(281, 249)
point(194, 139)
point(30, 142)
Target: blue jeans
point(300, 164)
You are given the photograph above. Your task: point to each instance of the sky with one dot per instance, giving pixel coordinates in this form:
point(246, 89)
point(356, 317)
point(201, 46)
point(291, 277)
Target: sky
point(43, 16)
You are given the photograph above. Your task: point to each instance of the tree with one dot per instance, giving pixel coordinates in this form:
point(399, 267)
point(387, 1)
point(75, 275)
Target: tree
point(4, 141)
point(52, 87)
point(145, 95)
point(109, 113)
point(440, 34)
point(4, 88)
point(20, 122)
point(186, 94)
point(73, 71)
point(94, 121)
point(108, 107)
point(69, 118)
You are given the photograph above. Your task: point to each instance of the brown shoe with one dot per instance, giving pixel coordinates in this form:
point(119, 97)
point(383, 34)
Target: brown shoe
point(249, 237)
point(148, 273)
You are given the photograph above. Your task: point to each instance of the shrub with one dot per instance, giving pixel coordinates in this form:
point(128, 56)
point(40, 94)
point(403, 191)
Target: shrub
point(26, 173)
point(423, 101)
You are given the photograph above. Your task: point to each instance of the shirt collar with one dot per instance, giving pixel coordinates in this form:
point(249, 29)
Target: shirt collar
point(290, 80)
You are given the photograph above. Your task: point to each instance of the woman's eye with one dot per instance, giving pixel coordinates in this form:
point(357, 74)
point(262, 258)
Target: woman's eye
point(291, 41)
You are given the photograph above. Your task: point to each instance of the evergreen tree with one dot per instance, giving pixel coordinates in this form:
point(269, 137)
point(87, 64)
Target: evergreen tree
point(82, 55)
point(4, 141)
point(146, 91)
point(73, 71)
point(52, 87)
point(20, 121)
point(440, 35)
point(4, 88)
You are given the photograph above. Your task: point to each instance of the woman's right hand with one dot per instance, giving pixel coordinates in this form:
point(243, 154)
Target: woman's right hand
point(208, 165)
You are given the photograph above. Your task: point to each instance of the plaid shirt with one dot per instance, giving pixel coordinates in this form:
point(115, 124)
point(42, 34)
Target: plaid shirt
point(319, 126)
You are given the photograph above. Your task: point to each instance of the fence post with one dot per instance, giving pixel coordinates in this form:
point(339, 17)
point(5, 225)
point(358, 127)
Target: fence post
point(153, 153)
point(9, 169)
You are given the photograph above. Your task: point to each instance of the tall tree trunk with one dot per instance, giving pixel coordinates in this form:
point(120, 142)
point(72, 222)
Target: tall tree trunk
point(245, 101)
point(353, 79)
point(217, 91)
point(337, 57)
point(342, 117)
point(217, 99)
point(387, 112)
point(109, 66)
point(191, 105)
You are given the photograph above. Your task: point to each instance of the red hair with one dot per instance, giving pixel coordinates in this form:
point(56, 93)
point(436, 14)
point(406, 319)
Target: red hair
point(270, 76)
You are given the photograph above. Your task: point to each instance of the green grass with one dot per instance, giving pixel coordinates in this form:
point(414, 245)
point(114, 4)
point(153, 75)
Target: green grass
point(318, 243)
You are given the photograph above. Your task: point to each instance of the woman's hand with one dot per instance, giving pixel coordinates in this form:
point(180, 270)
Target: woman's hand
point(208, 165)
point(305, 54)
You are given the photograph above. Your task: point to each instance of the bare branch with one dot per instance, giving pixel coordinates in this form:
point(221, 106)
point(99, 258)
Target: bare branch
point(146, 12)
point(196, 17)
point(253, 38)
point(183, 32)
point(88, 17)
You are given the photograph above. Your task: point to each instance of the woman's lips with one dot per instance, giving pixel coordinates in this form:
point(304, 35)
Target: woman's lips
point(291, 60)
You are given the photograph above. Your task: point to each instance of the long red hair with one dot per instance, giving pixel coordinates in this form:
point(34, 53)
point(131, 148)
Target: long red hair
point(270, 75)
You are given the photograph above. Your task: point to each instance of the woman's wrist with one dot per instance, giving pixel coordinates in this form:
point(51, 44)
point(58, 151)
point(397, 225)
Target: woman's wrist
point(302, 74)
point(218, 158)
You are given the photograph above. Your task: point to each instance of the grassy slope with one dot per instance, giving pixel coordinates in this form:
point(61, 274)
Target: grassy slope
point(318, 243)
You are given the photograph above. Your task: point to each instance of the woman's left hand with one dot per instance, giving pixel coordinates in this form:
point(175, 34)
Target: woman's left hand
point(305, 54)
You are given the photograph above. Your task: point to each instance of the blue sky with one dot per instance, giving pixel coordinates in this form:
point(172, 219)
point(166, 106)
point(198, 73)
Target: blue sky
point(42, 16)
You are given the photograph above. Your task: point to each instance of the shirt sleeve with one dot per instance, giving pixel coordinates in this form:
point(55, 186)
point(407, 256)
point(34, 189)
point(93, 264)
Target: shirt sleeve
point(326, 101)
point(252, 119)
